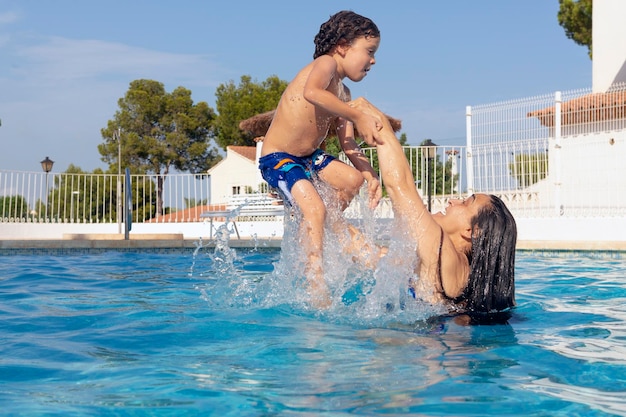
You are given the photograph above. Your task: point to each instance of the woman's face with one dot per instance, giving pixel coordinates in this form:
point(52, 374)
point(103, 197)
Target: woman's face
point(459, 213)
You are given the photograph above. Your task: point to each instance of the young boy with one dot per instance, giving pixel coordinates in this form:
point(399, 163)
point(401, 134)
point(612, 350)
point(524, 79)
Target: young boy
point(315, 98)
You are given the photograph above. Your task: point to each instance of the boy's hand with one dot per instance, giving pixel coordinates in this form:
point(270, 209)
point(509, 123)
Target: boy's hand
point(375, 192)
point(369, 127)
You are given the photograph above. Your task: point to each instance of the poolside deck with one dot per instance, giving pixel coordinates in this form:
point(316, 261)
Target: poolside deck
point(135, 241)
point(178, 240)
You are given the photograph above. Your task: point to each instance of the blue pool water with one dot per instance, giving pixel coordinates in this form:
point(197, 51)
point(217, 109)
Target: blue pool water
point(144, 333)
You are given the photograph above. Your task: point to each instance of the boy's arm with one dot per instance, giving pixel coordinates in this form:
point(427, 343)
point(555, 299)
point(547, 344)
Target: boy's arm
point(345, 133)
point(316, 92)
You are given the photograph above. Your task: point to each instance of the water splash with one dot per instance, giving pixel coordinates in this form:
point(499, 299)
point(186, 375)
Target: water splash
point(217, 266)
point(365, 290)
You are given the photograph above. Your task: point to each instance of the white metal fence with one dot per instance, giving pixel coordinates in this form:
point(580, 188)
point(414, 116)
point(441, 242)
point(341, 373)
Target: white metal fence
point(33, 197)
point(98, 198)
point(439, 173)
point(553, 155)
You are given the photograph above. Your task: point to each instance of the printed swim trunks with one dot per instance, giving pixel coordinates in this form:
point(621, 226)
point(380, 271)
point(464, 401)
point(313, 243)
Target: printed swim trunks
point(282, 170)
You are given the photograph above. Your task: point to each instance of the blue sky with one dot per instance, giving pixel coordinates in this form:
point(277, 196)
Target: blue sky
point(66, 63)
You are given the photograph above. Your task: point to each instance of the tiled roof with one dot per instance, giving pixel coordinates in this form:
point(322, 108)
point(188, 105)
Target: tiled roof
point(187, 215)
point(589, 108)
point(248, 152)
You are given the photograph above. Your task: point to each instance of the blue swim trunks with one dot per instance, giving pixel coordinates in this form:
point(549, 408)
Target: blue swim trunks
point(282, 170)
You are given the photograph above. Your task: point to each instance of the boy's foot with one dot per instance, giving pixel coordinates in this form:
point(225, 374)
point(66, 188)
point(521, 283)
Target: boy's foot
point(362, 251)
point(318, 290)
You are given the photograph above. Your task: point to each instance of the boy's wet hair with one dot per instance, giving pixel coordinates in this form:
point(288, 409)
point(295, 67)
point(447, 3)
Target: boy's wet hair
point(341, 29)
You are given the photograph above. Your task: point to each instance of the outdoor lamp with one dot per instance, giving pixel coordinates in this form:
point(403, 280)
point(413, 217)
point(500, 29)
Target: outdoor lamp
point(431, 151)
point(46, 164)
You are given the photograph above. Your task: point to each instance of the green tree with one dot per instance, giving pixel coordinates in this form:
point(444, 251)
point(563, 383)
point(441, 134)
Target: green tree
point(332, 147)
point(82, 197)
point(13, 207)
point(438, 174)
point(529, 169)
point(69, 195)
point(159, 131)
point(237, 103)
point(575, 16)
point(144, 199)
point(39, 212)
point(192, 202)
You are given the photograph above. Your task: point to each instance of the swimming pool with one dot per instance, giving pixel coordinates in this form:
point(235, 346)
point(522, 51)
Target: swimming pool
point(140, 332)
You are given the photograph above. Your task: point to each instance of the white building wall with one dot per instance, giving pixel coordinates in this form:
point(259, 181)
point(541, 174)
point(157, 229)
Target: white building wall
point(189, 230)
point(233, 171)
point(609, 43)
point(599, 162)
point(539, 233)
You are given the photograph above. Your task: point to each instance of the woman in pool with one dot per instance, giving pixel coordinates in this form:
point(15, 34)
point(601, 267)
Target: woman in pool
point(467, 254)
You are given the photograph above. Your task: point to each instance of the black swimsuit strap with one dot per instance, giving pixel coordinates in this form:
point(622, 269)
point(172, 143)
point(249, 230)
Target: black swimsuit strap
point(443, 290)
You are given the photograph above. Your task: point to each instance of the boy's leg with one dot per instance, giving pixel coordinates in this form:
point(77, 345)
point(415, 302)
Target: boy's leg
point(313, 216)
point(346, 180)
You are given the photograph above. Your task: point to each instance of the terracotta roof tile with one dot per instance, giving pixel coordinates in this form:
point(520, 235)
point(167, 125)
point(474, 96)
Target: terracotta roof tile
point(589, 108)
point(248, 152)
point(187, 215)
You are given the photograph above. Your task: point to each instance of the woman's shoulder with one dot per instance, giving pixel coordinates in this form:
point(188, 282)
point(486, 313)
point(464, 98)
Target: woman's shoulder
point(455, 270)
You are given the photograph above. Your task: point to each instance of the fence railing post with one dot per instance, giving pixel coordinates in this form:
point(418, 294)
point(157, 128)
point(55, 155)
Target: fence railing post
point(468, 148)
point(557, 153)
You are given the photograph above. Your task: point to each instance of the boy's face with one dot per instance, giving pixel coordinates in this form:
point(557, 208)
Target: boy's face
point(359, 57)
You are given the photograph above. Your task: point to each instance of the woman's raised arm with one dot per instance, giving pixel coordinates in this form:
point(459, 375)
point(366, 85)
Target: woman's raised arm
point(440, 262)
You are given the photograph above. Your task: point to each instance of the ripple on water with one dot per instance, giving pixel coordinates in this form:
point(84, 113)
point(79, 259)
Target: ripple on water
point(231, 333)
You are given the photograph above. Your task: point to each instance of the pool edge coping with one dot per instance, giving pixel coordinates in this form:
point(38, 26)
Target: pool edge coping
point(178, 241)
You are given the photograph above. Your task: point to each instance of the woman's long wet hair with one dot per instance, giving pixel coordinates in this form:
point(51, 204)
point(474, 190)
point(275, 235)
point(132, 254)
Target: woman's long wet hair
point(341, 29)
point(491, 285)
